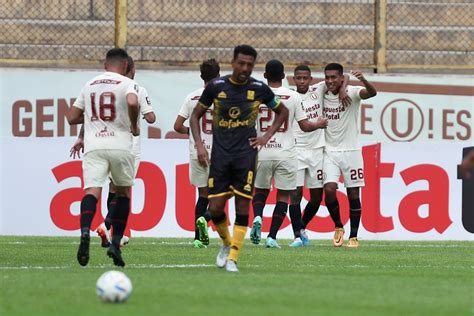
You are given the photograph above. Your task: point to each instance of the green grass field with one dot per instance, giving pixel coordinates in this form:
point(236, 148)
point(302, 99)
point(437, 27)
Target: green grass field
point(40, 276)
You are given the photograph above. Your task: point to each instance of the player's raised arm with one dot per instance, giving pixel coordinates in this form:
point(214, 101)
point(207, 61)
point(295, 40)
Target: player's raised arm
point(369, 90)
point(202, 154)
point(343, 96)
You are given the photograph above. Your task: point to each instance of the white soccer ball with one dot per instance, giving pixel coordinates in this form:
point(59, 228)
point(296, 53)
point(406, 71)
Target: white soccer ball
point(114, 287)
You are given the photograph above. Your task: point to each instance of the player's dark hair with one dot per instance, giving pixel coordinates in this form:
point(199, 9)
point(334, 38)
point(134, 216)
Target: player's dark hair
point(245, 50)
point(274, 70)
point(209, 69)
point(116, 55)
point(334, 66)
point(302, 67)
point(131, 64)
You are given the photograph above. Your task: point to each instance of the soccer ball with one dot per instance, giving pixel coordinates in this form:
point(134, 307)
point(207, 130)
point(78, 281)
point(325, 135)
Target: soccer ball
point(114, 287)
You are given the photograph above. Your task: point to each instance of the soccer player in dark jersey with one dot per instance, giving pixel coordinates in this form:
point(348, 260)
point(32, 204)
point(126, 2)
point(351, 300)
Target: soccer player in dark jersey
point(236, 100)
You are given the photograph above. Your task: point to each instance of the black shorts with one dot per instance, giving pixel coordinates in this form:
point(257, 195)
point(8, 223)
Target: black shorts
point(229, 175)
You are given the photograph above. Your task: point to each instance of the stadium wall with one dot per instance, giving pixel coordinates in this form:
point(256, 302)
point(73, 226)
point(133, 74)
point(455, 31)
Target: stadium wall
point(414, 132)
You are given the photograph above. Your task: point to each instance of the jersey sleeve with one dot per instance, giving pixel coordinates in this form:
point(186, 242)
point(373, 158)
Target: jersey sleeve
point(132, 88)
point(80, 101)
point(269, 98)
point(184, 111)
point(208, 95)
point(145, 101)
point(354, 92)
point(299, 112)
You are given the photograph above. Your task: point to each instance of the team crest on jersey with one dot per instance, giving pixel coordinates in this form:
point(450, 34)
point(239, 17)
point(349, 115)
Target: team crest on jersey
point(248, 188)
point(222, 95)
point(314, 96)
point(234, 112)
point(250, 95)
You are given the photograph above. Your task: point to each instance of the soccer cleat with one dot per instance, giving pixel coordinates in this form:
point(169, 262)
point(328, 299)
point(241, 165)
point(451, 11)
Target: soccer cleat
point(198, 244)
point(104, 235)
point(338, 239)
point(116, 255)
point(231, 266)
point(201, 224)
point(304, 237)
point(297, 243)
point(256, 232)
point(83, 251)
point(272, 243)
point(124, 241)
point(353, 242)
point(221, 258)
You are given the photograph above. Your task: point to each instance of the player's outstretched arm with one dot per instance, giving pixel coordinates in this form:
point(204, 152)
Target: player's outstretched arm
point(281, 116)
point(150, 117)
point(308, 126)
point(179, 125)
point(75, 115)
point(78, 146)
point(369, 90)
point(202, 154)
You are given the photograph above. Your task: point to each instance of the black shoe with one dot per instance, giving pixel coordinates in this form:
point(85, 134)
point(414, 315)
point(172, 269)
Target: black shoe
point(83, 251)
point(116, 255)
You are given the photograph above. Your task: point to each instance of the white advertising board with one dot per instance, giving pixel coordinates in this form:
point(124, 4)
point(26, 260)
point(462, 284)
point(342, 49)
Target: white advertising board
point(411, 193)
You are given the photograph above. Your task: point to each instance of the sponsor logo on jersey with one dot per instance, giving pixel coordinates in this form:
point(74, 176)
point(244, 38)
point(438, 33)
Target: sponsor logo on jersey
point(105, 81)
point(210, 182)
point(273, 144)
point(104, 133)
point(284, 97)
point(234, 112)
point(222, 95)
point(233, 123)
point(250, 95)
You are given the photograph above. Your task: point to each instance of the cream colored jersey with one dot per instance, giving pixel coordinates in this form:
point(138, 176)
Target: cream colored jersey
point(106, 120)
point(313, 107)
point(144, 102)
point(281, 145)
point(342, 132)
point(205, 122)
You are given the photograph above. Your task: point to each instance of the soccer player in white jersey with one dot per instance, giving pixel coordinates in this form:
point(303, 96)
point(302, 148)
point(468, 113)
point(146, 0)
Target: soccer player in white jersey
point(276, 160)
point(108, 107)
point(146, 111)
point(342, 154)
point(199, 174)
point(309, 152)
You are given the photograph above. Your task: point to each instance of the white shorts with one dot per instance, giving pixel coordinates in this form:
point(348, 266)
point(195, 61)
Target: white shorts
point(310, 167)
point(98, 165)
point(348, 163)
point(283, 171)
point(136, 164)
point(198, 174)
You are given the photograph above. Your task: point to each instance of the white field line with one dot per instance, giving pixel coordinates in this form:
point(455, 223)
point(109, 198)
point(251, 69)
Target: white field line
point(314, 243)
point(193, 266)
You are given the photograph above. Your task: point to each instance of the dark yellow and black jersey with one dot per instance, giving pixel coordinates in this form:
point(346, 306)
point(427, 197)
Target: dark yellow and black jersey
point(235, 112)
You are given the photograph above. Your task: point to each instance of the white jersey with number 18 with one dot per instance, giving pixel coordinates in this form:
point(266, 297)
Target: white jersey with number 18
point(106, 120)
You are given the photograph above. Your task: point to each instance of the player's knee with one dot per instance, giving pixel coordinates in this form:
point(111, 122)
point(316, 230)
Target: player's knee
point(296, 196)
